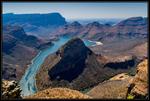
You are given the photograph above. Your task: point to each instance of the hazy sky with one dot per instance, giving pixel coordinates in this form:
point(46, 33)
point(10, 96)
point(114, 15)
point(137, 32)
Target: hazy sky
point(80, 10)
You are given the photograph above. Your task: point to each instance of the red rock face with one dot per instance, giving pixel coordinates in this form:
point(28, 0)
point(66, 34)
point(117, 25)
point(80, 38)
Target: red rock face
point(141, 80)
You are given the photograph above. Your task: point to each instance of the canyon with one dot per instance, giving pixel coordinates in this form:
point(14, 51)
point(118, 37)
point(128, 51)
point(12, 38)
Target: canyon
point(83, 58)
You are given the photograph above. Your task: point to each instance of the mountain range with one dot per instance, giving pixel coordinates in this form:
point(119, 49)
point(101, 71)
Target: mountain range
point(135, 27)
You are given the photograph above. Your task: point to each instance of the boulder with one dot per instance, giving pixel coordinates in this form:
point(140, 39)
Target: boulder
point(10, 89)
point(141, 80)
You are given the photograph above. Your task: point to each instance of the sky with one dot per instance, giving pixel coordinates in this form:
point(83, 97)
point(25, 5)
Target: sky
point(79, 10)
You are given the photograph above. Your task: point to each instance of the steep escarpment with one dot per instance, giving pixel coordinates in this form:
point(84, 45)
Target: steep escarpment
point(75, 66)
point(34, 19)
point(140, 81)
point(18, 50)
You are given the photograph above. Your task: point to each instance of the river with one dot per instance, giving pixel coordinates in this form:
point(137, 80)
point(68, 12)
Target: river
point(27, 82)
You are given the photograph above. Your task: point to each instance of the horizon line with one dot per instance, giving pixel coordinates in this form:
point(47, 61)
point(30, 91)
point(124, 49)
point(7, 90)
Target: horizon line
point(77, 18)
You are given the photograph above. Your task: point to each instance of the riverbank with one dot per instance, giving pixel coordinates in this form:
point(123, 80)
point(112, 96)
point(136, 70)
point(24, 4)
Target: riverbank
point(27, 82)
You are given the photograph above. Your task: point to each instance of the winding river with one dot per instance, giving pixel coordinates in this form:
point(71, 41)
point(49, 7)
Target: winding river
point(27, 82)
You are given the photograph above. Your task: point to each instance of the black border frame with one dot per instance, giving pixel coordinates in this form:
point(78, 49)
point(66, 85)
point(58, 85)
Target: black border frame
point(71, 1)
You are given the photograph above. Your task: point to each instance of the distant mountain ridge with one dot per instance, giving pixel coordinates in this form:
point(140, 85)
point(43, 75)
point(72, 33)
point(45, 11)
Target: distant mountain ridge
point(34, 19)
point(134, 27)
point(110, 21)
point(54, 24)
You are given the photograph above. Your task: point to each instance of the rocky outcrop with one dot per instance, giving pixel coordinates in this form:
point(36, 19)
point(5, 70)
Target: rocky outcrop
point(58, 93)
point(140, 81)
point(113, 89)
point(124, 86)
point(122, 76)
point(10, 90)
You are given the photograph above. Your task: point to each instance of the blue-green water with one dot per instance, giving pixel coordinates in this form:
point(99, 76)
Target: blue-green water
point(27, 82)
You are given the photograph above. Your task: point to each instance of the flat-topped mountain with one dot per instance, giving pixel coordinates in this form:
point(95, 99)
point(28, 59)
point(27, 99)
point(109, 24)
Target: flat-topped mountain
point(39, 25)
point(34, 19)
